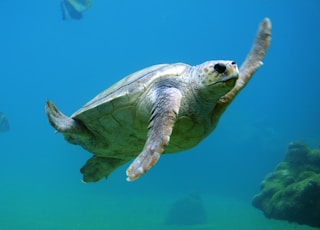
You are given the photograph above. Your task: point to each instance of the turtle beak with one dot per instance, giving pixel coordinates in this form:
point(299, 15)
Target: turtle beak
point(227, 80)
point(230, 80)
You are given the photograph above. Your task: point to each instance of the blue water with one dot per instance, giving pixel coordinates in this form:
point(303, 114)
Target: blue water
point(69, 62)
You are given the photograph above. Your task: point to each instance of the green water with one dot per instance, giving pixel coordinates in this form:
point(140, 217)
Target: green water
point(68, 210)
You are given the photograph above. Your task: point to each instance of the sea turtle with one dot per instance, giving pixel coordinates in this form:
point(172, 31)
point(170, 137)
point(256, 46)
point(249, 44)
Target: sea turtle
point(164, 108)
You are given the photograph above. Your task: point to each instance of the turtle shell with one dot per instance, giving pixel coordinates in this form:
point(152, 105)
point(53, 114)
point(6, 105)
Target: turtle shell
point(126, 90)
point(118, 124)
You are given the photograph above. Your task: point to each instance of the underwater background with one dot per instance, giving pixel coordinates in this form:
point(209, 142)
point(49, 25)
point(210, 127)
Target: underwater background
point(70, 61)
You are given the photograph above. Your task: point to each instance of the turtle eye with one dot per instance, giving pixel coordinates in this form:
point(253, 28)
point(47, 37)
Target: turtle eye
point(219, 67)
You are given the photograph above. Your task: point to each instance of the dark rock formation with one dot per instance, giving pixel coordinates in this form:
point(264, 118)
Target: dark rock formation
point(187, 211)
point(292, 191)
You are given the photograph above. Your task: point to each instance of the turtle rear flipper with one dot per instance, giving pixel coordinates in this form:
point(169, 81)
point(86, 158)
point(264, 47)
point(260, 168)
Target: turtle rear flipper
point(97, 168)
point(70, 127)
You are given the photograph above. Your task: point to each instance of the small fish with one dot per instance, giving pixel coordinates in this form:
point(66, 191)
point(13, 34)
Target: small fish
point(72, 9)
point(4, 123)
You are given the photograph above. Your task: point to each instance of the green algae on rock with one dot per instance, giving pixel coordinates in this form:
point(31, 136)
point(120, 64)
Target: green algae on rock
point(292, 191)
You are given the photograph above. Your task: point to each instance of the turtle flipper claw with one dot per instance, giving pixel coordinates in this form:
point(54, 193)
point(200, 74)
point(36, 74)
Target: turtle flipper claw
point(142, 164)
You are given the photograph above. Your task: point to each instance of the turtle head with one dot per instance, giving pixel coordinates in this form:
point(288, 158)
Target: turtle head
point(216, 78)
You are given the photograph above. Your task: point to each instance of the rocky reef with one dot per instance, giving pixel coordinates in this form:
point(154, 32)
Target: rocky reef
point(187, 211)
point(292, 191)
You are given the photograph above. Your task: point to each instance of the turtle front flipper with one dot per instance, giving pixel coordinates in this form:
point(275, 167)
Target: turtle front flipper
point(251, 64)
point(163, 117)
